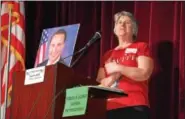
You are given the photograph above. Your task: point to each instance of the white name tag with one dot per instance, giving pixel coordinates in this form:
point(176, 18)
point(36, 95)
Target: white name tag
point(35, 75)
point(131, 50)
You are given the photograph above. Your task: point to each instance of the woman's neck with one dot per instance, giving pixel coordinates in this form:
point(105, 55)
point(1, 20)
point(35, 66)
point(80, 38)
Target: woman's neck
point(124, 42)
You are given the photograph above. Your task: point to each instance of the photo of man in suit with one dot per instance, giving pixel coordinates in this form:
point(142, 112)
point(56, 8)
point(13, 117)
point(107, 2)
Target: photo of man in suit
point(56, 47)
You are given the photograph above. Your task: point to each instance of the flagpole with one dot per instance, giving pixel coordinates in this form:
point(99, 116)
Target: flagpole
point(0, 63)
point(8, 59)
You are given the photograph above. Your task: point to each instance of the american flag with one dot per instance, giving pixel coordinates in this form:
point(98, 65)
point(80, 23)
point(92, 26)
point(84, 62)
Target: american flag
point(41, 53)
point(17, 48)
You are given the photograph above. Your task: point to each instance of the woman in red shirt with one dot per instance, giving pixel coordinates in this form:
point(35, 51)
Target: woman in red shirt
point(128, 67)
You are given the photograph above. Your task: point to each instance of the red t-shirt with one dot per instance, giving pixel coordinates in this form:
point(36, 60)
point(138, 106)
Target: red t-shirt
point(137, 91)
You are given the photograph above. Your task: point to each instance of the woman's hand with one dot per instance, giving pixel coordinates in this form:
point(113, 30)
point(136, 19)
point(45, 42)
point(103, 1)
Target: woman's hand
point(108, 81)
point(111, 67)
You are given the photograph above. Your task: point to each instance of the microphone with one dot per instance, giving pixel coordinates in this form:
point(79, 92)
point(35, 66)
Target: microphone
point(96, 36)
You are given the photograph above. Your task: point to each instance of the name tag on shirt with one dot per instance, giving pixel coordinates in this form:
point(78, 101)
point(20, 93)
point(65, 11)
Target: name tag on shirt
point(131, 50)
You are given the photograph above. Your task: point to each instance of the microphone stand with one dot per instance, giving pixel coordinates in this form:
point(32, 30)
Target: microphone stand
point(77, 59)
point(79, 51)
point(96, 36)
point(93, 39)
point(82, 49)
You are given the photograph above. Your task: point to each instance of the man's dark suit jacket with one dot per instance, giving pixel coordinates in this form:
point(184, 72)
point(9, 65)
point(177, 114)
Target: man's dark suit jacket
point(44, 63)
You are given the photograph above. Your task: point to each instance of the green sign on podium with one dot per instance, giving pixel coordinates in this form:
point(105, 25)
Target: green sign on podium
point(75, 101)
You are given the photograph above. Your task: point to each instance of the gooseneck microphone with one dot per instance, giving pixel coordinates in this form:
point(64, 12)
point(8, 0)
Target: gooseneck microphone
point(95, 37)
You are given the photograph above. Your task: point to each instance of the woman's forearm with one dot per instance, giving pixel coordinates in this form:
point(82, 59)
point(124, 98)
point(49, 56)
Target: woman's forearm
point(134, 73)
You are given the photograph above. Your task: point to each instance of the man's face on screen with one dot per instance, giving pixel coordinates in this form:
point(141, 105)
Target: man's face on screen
point(56, 47)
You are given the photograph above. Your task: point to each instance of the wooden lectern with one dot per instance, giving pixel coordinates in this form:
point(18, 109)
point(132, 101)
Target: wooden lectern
point(46, 100)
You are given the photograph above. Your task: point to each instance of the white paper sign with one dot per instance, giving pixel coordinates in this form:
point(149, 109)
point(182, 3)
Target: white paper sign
point(35, 75)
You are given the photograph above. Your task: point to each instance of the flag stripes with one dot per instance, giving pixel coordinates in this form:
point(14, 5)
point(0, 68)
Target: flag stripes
point(17, 47)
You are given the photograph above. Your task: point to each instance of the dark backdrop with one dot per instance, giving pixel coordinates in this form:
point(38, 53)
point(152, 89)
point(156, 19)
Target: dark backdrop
point(161, 24)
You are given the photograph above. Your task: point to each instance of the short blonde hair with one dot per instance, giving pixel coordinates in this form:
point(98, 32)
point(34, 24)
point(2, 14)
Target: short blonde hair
point(118, 15)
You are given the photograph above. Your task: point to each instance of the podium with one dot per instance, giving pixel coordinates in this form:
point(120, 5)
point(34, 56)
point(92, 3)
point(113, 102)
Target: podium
point(46, 100)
